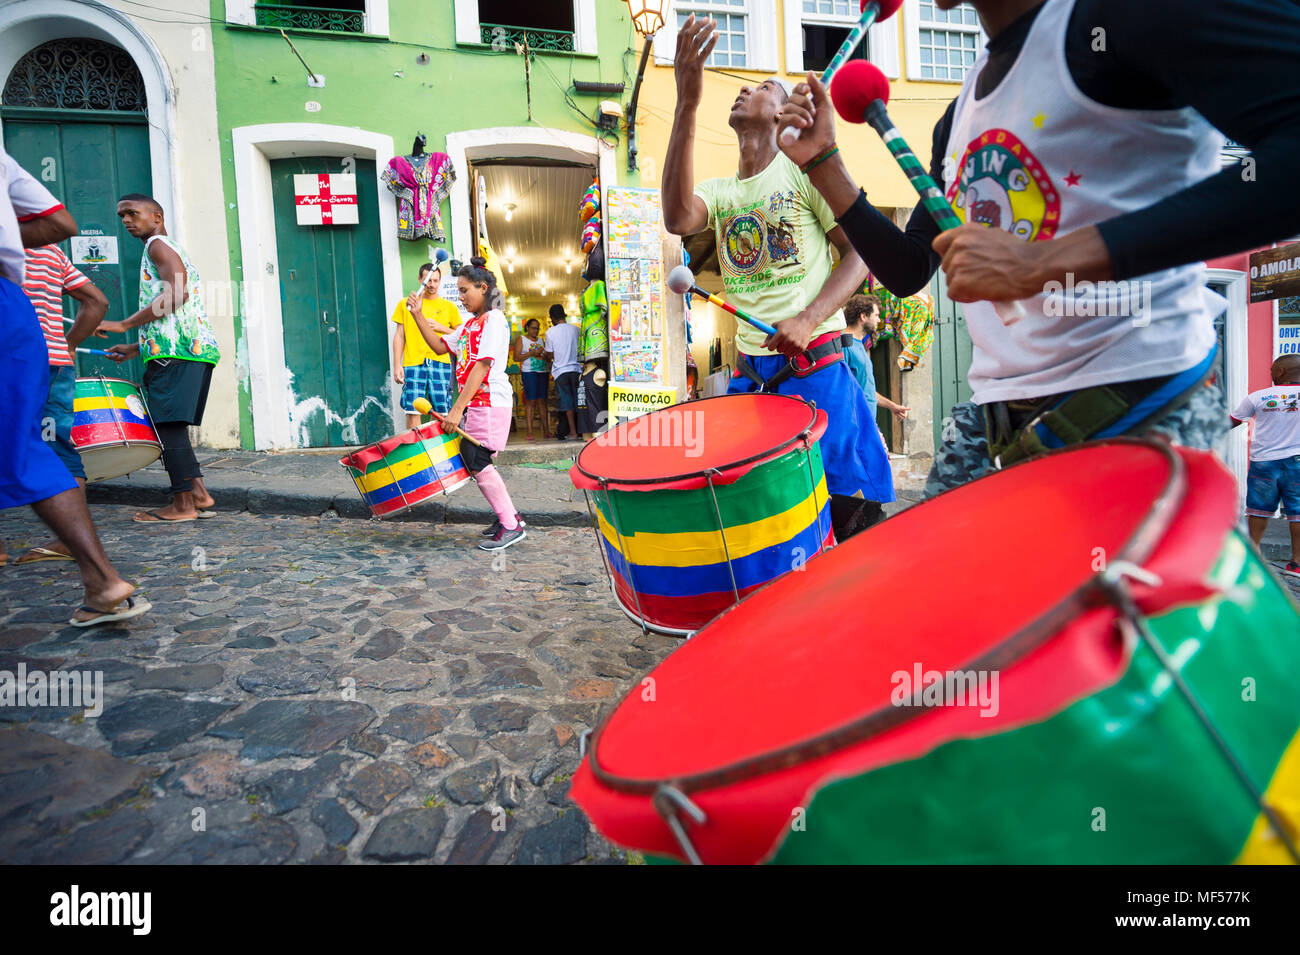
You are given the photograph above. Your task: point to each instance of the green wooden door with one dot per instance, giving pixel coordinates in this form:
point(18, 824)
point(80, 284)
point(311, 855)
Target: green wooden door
point(334, 313)
point(951, 353)
point(88, 159)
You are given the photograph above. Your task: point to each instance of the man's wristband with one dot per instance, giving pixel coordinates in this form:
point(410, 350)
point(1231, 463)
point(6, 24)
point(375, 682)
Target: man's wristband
point(821, 157)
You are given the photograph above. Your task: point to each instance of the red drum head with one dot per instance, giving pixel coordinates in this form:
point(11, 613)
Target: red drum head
point(793, 686)
point(673, 447)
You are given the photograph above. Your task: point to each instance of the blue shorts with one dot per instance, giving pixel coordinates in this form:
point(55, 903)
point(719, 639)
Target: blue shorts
point(852, 453)
point(30, 471)
point(535, 385)
point(58, 412)
point(566, 391)
point(431, 380)
point(1270, 483)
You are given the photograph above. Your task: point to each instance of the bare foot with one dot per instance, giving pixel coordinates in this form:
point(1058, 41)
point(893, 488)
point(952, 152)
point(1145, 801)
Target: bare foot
point(104, 599)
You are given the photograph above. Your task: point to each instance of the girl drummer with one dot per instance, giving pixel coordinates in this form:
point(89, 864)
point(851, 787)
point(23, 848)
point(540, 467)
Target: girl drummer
point(485, 403)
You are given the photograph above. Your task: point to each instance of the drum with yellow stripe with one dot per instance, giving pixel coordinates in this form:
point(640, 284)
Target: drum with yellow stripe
point(400, 472)
point(111, 428)
point(700, 504)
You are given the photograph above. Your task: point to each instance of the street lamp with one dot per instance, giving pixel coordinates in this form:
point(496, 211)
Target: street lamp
point(648, 18)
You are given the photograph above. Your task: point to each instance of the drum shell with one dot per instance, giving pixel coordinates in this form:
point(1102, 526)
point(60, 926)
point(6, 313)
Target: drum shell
point(111, 428)
point(672, 562)
point(407, 469)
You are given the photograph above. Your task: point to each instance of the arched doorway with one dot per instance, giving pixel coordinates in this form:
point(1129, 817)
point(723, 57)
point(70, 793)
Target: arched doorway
point(75, 114)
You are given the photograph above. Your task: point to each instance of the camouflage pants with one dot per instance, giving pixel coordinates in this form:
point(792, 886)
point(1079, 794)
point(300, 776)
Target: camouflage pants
point(964, 456)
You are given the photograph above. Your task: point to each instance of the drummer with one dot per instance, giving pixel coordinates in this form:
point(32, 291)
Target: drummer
point(179, 351)
point(1127, 148)
point(774, 235)
point(49, 276)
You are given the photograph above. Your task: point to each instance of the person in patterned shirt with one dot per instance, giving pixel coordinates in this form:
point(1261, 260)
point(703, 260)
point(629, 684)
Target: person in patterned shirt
point(486, 400)
point(179, 351)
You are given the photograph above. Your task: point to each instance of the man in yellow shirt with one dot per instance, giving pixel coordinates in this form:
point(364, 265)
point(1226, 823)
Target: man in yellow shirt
point(420, 371)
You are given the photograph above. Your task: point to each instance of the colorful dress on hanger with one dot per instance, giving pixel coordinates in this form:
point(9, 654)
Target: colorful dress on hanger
point(420, 183)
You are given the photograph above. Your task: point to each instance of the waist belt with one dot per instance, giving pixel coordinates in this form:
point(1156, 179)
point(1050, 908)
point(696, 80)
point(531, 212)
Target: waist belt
point(1016, 429)
point(822, 351)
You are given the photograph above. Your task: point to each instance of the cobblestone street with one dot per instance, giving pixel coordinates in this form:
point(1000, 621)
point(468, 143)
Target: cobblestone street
point(313, 690)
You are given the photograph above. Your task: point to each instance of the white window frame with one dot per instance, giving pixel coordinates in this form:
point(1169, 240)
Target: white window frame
point(882, 40)
point(760, 36)
point(912, 33)
point(241, 12)
point(584, 25)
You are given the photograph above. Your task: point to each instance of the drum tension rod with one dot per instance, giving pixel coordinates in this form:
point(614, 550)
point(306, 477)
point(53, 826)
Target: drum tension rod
point(1114, 579)
point(667, 801)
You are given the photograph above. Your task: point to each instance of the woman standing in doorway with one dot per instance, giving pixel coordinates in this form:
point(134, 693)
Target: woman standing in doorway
point(531, 355)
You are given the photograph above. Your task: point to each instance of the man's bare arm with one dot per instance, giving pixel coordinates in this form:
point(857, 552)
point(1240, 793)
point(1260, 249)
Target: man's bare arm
point(684, 211)
point(93, 306)
point(47, 229)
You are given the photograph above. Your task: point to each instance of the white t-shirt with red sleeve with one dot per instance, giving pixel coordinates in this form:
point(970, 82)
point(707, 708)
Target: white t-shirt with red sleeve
point(484, 336)
point(50, 273)
point(28, 199)
point(1276, 412)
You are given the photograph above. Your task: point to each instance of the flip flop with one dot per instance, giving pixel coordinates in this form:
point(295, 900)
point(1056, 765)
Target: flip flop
point(204, 515)
point(133, 609)
point(159, 519)
point(42, 554)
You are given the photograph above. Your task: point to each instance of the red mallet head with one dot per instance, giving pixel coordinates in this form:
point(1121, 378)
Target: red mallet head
point(856, 86)
point(887, 8)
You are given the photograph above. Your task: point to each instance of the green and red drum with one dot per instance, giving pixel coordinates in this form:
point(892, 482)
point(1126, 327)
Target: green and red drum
point(699, 504)
point(398, 473)
point(111, 428)
point(1103, 671)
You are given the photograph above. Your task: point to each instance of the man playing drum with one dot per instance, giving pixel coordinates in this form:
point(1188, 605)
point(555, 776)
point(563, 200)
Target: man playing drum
point(1084, 123)
point(774, 235)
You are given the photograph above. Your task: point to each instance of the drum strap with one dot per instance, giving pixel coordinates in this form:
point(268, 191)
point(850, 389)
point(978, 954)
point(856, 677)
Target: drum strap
point(822, 351)
point(1018, 430)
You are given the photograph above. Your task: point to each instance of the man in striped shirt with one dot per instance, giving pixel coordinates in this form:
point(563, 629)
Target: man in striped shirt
point(49, 275)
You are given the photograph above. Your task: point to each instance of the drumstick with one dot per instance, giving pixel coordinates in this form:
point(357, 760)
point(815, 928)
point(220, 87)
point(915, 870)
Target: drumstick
point(873, 11)
point(682, 282)
point(93, 351)
point(859, 93)
point(422, 405)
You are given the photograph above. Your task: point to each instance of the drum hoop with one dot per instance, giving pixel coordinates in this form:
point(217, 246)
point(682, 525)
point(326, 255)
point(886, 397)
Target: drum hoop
point(784, 445)
point(1091, 592)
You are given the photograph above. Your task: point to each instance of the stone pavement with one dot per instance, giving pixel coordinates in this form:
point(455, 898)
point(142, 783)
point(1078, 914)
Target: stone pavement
point(313, 690)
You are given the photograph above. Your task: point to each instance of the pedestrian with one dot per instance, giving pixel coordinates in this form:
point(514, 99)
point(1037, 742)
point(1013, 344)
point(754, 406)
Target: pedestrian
point(485, 402)
point(49, 276)
point(1274, 475)
point(421, 371)
point(1116, 160)
point(30, 471)
point(179, 351)
point(774, 237)
point(531, 355)
point(862, 320)
point(562, 352)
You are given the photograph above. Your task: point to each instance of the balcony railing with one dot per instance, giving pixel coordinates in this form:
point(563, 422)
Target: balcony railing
point(501, 37)
point(310, 18)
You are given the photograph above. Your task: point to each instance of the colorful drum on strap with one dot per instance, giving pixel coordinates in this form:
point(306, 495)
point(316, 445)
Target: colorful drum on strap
point(407, 469)
point(1099, 651)
point(111, 428)
point(699, 504)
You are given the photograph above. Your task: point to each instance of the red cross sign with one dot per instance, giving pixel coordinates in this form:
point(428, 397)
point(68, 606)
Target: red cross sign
point(326, 198)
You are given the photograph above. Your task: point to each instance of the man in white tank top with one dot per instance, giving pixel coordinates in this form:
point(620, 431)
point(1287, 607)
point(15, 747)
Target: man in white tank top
point(1083, 124)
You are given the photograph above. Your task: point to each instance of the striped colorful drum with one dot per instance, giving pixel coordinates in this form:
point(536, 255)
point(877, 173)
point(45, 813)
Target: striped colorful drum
point(698, 504)
point(1103, 671)
point(111, 428)
point(407, 469)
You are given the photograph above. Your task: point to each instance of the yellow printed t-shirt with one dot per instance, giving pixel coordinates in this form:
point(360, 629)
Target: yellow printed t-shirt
point(436, 310)
point(772, 246)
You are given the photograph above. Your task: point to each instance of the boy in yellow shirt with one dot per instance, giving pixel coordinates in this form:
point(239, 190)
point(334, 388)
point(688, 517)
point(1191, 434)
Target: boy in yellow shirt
point(420, 371)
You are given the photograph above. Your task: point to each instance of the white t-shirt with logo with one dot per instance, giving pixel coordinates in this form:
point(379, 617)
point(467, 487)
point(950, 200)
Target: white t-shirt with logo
point(562, 342)
point(485, 336)
point(1276, 412)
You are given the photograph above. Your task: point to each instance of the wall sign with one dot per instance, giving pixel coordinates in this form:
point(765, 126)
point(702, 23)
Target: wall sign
point(1275, 273)
point(634, 284)
point(632, 401)
point(1288, 341)
point(94, 250)
point(326, 198)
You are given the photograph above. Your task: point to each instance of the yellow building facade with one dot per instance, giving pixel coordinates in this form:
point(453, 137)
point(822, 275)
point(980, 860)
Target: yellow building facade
point(924, 52)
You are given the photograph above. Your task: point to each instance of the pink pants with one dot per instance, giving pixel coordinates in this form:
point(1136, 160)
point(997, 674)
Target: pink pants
point(492, 427)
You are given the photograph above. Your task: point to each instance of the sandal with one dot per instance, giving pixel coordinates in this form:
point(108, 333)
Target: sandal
point(204, 515)
point(133, 609)
point(153, 517)
point(40, 554)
